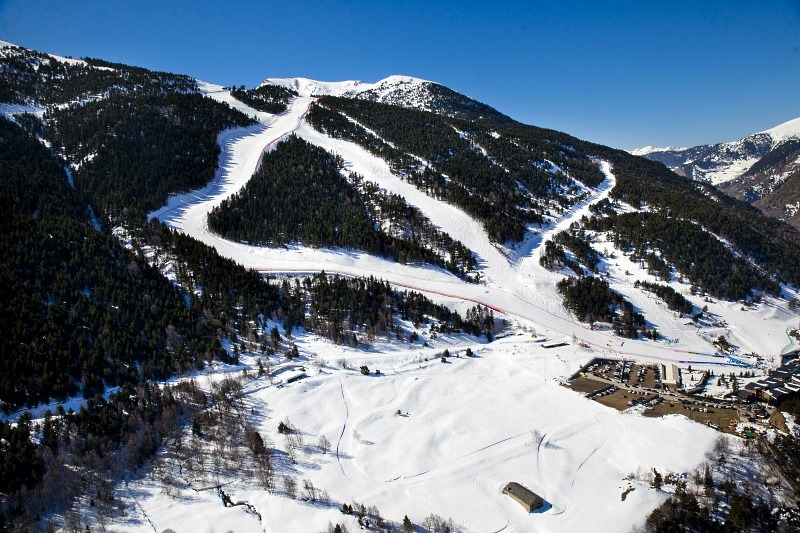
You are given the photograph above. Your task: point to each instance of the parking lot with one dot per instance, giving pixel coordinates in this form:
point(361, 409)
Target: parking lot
point(622, 385)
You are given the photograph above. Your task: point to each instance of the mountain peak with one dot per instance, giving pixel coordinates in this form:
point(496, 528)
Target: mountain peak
point(399, 90)
point(347, 88)
point(782, 132)
point(723, 162)
point(643, 151)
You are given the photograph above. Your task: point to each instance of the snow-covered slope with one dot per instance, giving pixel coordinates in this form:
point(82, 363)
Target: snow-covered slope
point(646, 150)
point(783, 132)
point(762, 168)
point(515, 284)
point(405, 91)
point(719, 163)
point(347, 88)
point(6, 48)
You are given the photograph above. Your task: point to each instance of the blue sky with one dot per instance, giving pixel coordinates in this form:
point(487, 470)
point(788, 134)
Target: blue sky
point(626, 74)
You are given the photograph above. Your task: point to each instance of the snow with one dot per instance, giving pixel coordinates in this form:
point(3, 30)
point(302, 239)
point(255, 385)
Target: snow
point(466, 429)
point(728, 170)
point(71, 61)
point(308, 87)
point(783, 132)
point(467, 425)
point(650, 149)
point(9, 110)
point(6, 44)
point(406, 91)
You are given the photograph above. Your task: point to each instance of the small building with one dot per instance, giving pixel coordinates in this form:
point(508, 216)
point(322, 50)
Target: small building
point(672, 375)
point(525, 497)
point(777, 394)
point(745, 395)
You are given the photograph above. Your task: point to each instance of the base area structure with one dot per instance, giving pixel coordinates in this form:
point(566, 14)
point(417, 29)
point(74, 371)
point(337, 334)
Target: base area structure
point(525, 497)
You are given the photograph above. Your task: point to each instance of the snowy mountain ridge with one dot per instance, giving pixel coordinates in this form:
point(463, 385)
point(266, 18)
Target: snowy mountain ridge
point(5, 46)
point(347, 88)
point(643, 151)
point(784, 132)
point(405, 91)
point(722, 162)
point(762, 169)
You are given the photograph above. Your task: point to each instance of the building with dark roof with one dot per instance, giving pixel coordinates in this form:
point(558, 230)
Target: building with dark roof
point(781, 384)
point(523, 496)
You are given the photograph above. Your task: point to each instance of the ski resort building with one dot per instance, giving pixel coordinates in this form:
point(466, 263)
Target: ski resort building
point(781, 384)
point(523, 496)
point(672, 375)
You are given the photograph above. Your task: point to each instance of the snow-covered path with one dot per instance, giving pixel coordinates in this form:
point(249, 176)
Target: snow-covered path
point(423, 436)
point(514, 282)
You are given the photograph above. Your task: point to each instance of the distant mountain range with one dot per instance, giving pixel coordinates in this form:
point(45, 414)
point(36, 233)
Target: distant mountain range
point(762, 169)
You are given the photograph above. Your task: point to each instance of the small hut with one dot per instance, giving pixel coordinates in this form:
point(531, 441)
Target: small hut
point(525, 497)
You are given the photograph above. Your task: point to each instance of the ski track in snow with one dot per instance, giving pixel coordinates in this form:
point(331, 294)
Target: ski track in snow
point(583, 453)
point(515, 284)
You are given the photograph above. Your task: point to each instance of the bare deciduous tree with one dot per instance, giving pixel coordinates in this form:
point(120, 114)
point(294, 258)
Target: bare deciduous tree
point(324, 444)
point(309, 491)
point(290, 486)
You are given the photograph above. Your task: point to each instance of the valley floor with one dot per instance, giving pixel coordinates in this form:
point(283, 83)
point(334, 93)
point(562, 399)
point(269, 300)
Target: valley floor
point(465, 429)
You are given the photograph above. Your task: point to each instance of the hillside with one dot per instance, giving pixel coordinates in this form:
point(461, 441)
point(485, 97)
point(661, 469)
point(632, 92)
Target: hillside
point(318, 304)
point(403, 91)
point(761, 169)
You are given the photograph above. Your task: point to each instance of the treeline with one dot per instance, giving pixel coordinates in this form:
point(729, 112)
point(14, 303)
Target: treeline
point(405, 222)
point(340, 309)
point(79, 313)
point(491, 177)
point(770, 243)
point(217, 285)
point(554, 256)
point(134, 135)
point(683, 512)
point(496, 220)
point(300, 195)
point(674, 300)
point(133, 151)
point(720, 497)
point(545, 157)
point(267, 98)
point(591, 300)
point(694, 252)
point(575, 241)
point(85, 453)
point(30, 77)
point(784, 450)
